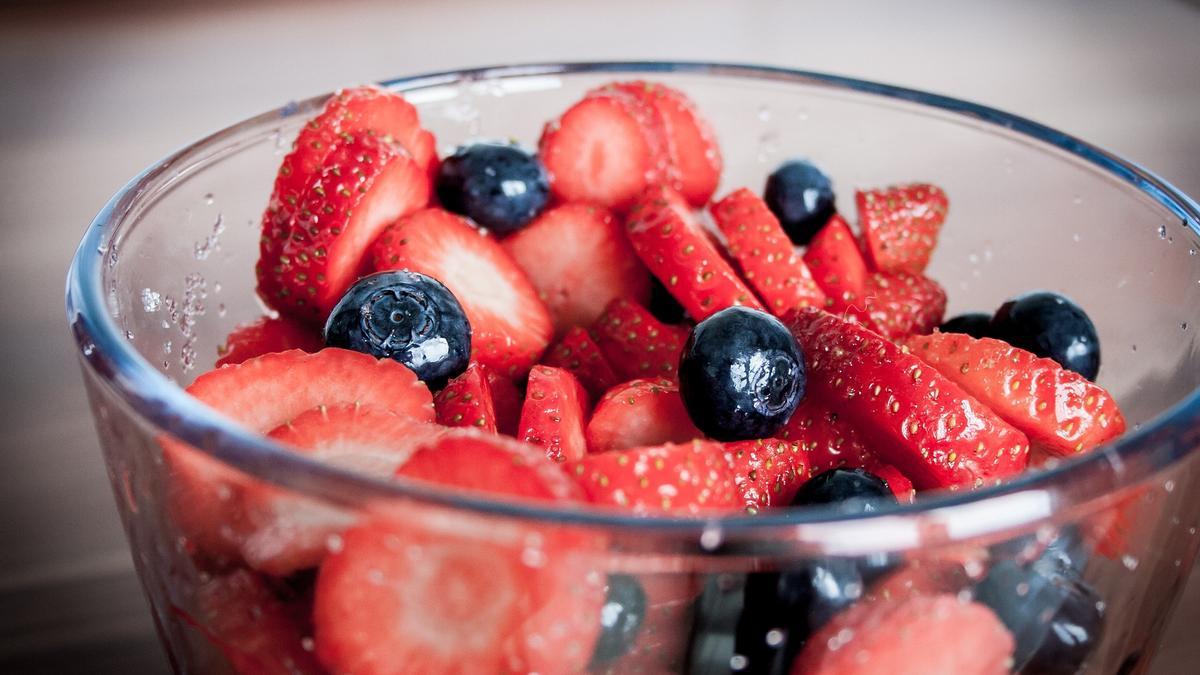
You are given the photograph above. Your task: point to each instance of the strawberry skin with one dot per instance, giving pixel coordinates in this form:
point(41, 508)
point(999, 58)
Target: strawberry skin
point(636, 344)
point(362, 185)
point(601, 151)
point(691, 143)
point(285, 532)
point(900, 225)
point(578, 353)
point(688, 478)
point(768, 472)
point(466, 401)
point(896, 304)
point(914, 635)
point(640, 413)
point(677, 251)
point(915, 418)
point(768, 261)
point(553, 414)
point(578, 259)
point(255, 631)
point(267, 335)
point(1061, 412)
point(510, 326)
point(836, 264)
point(261, 394)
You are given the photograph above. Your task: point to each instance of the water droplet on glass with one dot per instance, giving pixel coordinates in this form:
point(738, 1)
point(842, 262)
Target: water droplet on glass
point(129, 335)
point(221, 309)
point(764, 113)
point(88, 348)
point(738, 662)
point(802, 114)
point(774, 637)
point(1076, 238)
point(102, 248)
point(973, 568)
point(307, 644)
point(209, 199)
point(1133, 347)
point(1129, 562)
point(711, 538)
point(1169, 486)
point(151, 300)
point(333, 543)
point(1192, 530)
point(167, 347)
point(1162, 231)
point(1077, 200)
point(1183, 326)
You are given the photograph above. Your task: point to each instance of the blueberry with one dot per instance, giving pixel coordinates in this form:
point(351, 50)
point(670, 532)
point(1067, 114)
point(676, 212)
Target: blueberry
point(620, 618)
point(852, 490)
point(663, 305)
point(781, 609)
point(711, 644)
point(1055, 618)
point(405, 316)
point(741, 375)
point(975, 324)
point(500, 186)
point(801, 197)
point(1050, 326)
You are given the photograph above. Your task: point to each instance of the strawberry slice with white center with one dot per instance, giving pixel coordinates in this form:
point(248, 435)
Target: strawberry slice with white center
point(261, 394)
point(409, 593)
point(1061, 411)
point(640, 413)
point(256, 632)
point(578, 260)
point(691, 142)
point(600, 152)
point(510, 325)
point(286, 532)
point(466, 401)
point(360, 187)
point(553, 414)
point(690, 478)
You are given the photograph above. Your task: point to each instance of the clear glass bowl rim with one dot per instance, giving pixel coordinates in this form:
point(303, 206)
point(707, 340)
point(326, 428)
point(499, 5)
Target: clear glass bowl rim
point(1134, 457)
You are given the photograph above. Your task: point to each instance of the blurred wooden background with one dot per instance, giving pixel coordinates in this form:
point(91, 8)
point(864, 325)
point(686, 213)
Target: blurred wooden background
point(90, 93)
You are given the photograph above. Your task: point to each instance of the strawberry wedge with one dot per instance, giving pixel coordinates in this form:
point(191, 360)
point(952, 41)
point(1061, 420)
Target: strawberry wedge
point(636, 344)
point(640, 413)
point(1061, 412)
point(553, 414)
point(900, 225)
point(915, 419)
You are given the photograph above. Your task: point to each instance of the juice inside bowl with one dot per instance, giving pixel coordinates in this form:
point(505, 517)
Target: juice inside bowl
point(1069, 570)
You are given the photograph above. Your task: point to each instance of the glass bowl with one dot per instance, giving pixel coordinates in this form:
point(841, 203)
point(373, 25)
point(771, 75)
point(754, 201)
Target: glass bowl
point(166, 270)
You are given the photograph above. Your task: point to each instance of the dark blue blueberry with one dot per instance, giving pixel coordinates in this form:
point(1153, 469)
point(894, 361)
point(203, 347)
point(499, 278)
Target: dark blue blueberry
point(1055, 618)
point(714, 624)
point(620, 618)
point(852, 490)
point(975, 324)
point(663, 305)
point(405, 316)
point(781, 609)
point(741, 375)
point(500, 186)
point(801, 197)
point(1050, 326)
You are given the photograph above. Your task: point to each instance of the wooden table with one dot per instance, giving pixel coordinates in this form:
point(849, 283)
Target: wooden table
point(88, 96)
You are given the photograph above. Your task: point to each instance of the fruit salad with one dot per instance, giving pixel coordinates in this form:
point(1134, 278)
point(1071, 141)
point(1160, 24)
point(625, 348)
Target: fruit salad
point(600, 324)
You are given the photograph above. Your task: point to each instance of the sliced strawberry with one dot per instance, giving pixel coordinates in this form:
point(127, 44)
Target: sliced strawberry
point(286, 532)
point(765, 255)
point(579, 354)
point(401, 597)
point(899, 304)
point(553, 414)
point(695, 477)
point(261, 394)
point(255, 631)
point(915, 418)
point(654, 129)
point(910, 635)
point(601, 152)
point(637, 344)
point(472, 460)
point(507, 400)
point(640, 413)
point(267, 335)
point(362, 185)
point(836, 264)
point(678, 252)
point(691, 142)
point(1059, 410)
point(510, 326)
point(900, 225)
point(348, 112)
point(466, 401)
point(897, 482)
point(579, 260)
point(768, 471)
